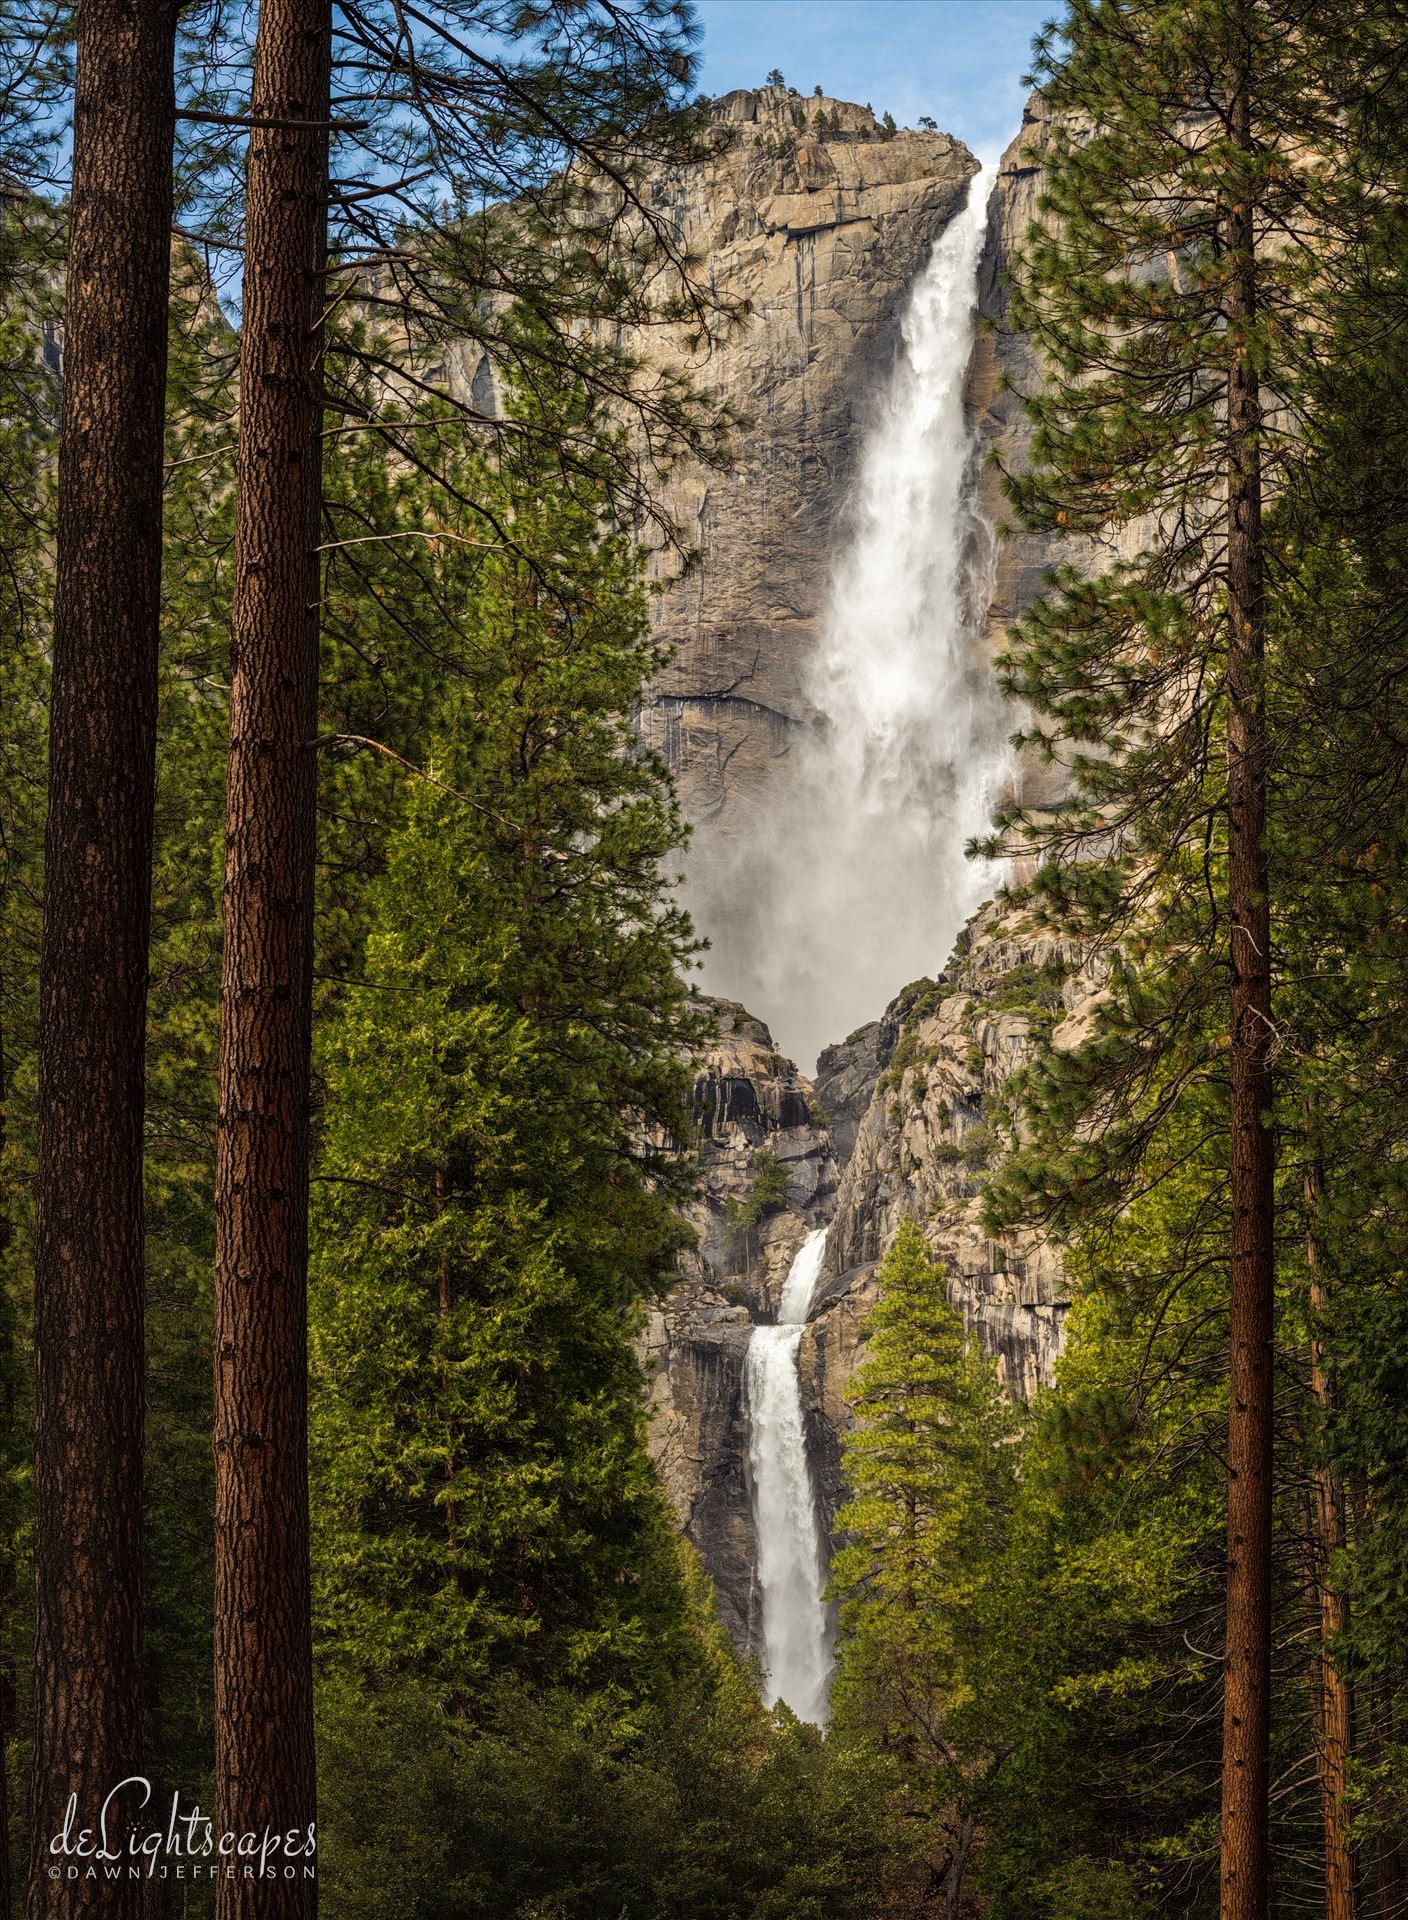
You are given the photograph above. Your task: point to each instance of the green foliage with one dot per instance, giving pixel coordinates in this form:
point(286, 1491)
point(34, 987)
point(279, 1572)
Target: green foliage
point(1033, 990)
point(930, 1469)
point(909, 1052)
point(766, 1195)
point(539, 1815)
point(29, 240)
point(491, 1201)
point(696, 1806)
point(1115, 1564)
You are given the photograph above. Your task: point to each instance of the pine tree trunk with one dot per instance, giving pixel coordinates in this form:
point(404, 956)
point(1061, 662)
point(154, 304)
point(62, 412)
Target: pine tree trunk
point(1336, 1708)
point(88, 1257)
point(263, 1642)
point(1247, 1674)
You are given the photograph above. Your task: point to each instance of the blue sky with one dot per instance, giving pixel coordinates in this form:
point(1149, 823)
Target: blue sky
point(960, 60)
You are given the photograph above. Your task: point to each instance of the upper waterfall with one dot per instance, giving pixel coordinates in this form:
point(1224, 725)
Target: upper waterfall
point(855, 877)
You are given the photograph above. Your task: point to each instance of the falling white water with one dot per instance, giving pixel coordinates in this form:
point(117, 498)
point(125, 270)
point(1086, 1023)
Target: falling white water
point(791, 1558)
point(855, 881)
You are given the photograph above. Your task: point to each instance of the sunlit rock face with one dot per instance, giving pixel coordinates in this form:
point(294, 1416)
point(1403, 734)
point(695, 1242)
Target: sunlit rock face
point(1004, 367)
point(913, 1094)
point(817, 220)
point(926, 1140)
point(824, 236)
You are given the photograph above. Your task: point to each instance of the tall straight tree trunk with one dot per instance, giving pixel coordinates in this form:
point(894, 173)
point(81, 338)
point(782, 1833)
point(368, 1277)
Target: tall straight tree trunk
point(88, 1257)
point(1336, 1708)
point(1246, 1730)
point(263, 1642)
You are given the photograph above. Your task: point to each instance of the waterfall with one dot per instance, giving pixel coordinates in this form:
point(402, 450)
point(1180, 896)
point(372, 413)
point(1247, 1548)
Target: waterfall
point(855, 881)
point(791, 1557)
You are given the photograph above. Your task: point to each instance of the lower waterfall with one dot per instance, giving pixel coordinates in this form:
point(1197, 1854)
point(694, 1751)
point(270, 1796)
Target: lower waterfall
point(791, 1560)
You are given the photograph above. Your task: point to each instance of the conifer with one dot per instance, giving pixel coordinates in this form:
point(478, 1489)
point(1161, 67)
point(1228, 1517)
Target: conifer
point(929, 1473)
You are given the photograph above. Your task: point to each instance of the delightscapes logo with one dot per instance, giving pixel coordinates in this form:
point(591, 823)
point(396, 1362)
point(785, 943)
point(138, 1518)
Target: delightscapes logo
point(118, 1845)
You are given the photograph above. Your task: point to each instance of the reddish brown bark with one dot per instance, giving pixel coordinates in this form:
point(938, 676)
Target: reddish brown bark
point(88, 1261)
point(1247, 1673)
point(263, 1650)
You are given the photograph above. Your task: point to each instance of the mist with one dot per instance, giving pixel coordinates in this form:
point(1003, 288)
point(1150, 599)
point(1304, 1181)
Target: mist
point(852, 880)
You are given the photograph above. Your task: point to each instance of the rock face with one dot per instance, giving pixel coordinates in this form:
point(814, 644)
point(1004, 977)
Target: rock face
point(927, 1138)
point(820, 223)
point(769, 1176)
point(916, 1092)
point(1001, 357)
point(818, 219)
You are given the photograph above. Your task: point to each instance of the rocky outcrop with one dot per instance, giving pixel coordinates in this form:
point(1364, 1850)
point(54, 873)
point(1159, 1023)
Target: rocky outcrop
point(822, 233)
point(927, 1139)
point(768, 1176)
point(929, 1076)
point(1004, 367)
point(816, 219)
point(846, 1074)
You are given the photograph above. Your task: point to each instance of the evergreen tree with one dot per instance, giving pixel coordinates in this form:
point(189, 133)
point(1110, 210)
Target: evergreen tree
point(1336, 647)
point(929, 1468)
point(584, 116)
point(264, 1762)
point(88, 1221)
point(1109, 1695)
point(1162, 290)
point(497, 1186)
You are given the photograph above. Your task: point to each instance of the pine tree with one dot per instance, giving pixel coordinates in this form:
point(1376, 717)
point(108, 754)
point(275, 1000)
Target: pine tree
point(492, 1198)
point(263, 1635)
point(88, 1229)
point(1161, 291)
point(447, 102)
point(1110, 1697)
point(929, 1471)
point(1336, 645)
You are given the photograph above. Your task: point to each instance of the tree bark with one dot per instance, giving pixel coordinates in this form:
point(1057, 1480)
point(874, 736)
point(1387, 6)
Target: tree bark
point(1247, 1673)
point(263, 1641)
point(88, 1258)
point(1336, 1707)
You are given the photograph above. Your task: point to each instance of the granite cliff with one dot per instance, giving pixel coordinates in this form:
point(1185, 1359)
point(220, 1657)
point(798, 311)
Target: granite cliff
point(821, 232)
point(816, 218)
point(769, 1175)
point(899, 1121)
